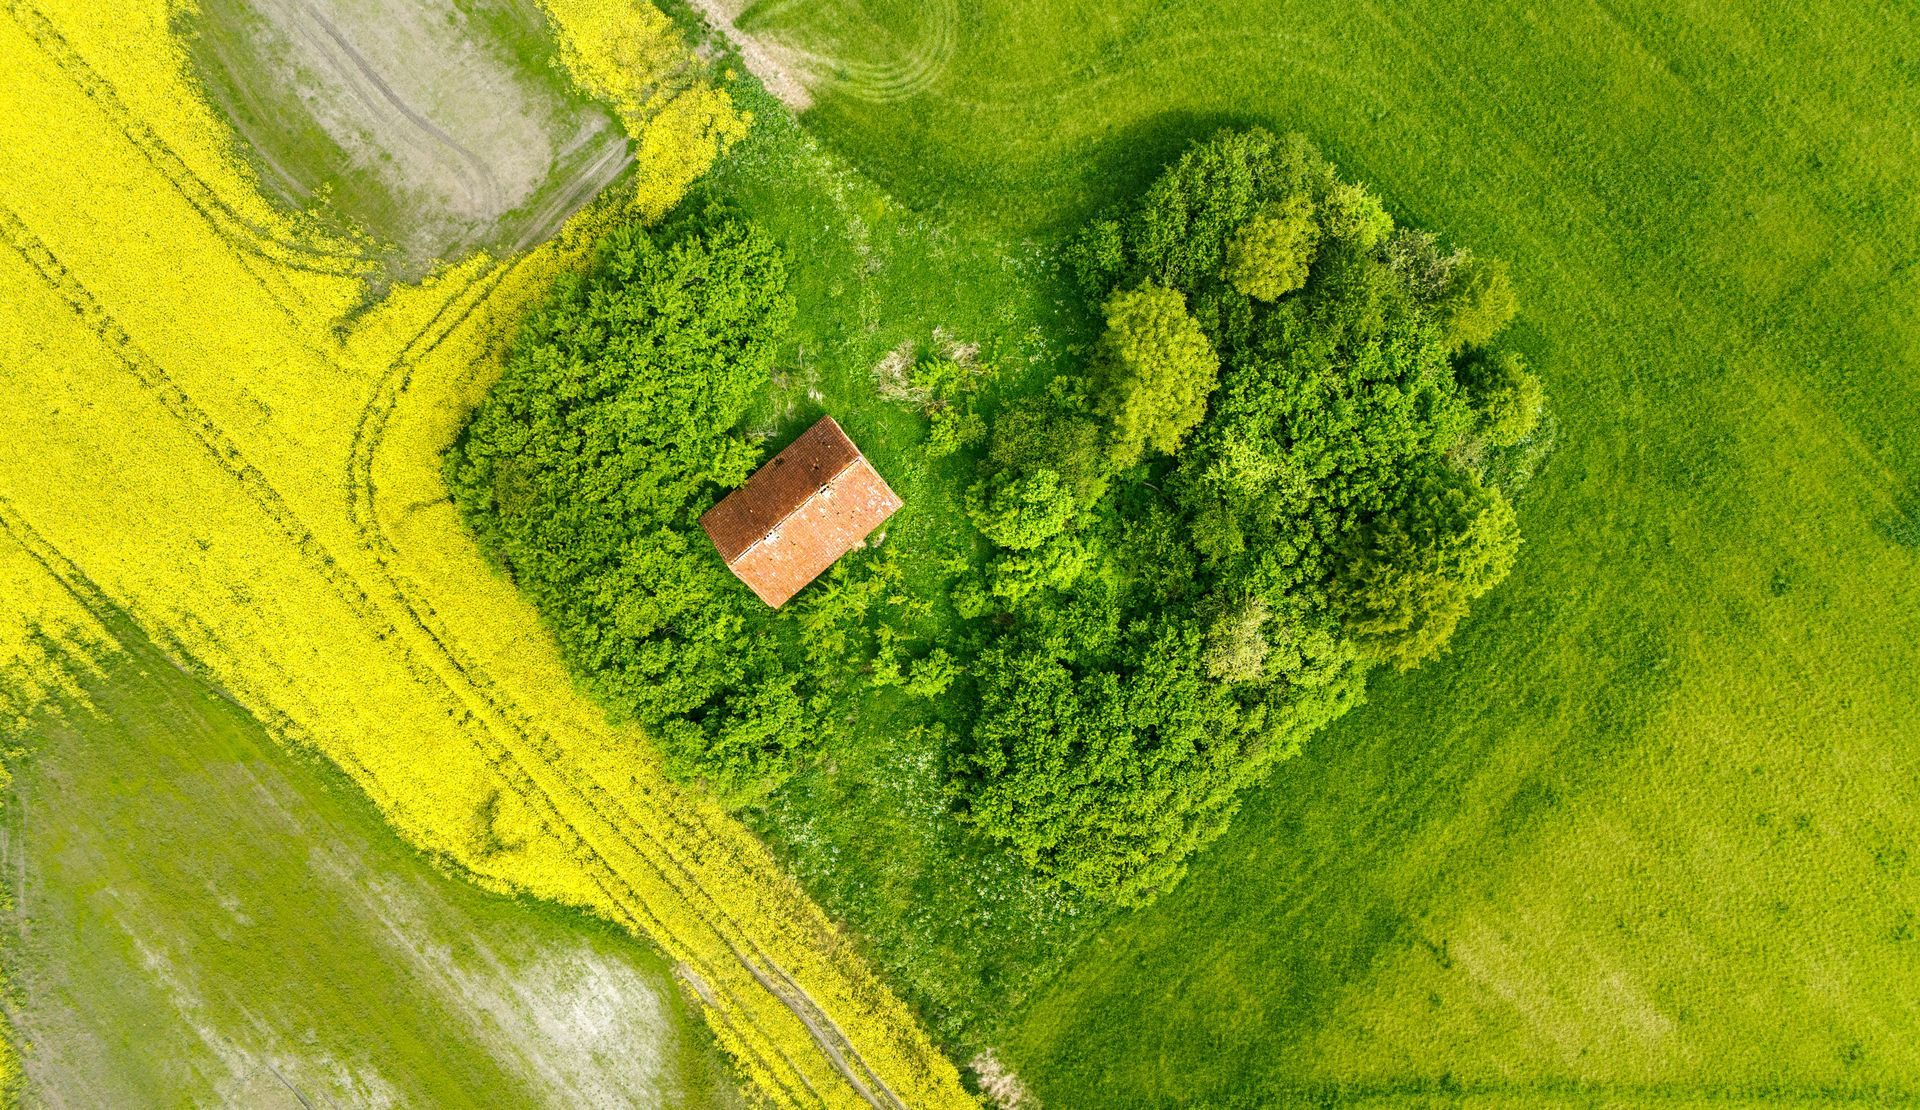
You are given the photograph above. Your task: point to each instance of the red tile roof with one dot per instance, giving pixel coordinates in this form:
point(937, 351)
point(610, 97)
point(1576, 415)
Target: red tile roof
point(814, 502)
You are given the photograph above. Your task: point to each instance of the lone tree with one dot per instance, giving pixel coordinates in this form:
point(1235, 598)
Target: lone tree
point(1154, 372)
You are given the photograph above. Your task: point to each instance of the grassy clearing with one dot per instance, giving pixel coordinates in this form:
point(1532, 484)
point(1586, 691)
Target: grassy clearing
point(1641, 836)
point(276, 511)
point(201, 911)
point(954, 920)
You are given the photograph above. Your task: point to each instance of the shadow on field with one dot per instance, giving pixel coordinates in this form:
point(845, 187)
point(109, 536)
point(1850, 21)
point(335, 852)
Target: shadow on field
point(1324, 847)
point(1122, 165)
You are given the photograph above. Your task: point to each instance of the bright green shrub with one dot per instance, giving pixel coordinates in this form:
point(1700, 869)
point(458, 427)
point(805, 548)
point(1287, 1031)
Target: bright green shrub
point(1507, 398)
point(1055, 565)
point(1236, 644)
point(1097, 257)
point(1268, 257)
point(1108, 778)
point(1054, 431)
point(1351, 214)
point(1478, 304)
point(1177, 235)
point(1153, 373)
point(1469, 298)
point(585, 469)
point(1021, 512)
point(1415, 569)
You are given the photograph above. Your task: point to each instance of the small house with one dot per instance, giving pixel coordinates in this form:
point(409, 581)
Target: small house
point(814, 502)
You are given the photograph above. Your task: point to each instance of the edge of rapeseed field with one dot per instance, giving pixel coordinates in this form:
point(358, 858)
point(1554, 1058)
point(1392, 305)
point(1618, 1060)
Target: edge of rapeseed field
point(211, 434)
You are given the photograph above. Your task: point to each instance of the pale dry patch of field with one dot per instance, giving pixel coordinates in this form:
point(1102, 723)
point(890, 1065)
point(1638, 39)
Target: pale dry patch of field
point(172, 873)
point(782, 69)
point(869, 59)
point(409, 118)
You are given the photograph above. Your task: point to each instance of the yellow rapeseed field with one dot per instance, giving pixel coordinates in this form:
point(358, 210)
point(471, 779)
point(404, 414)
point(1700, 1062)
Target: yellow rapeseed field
point(207, 429)
point(627, 53)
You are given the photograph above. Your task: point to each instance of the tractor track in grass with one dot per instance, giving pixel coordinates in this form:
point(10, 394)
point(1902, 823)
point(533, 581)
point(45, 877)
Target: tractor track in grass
point(791, 73)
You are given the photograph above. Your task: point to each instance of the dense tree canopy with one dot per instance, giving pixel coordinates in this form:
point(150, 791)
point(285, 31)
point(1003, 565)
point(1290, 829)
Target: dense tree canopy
point(1285, 460)
point(585, 470)
point(1264, 527)
point(1269, 255)
point(1154, 371)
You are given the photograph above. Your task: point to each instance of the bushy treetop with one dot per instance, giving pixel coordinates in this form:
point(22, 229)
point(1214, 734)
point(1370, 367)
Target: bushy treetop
point(1268, 257)
point(1153, 373)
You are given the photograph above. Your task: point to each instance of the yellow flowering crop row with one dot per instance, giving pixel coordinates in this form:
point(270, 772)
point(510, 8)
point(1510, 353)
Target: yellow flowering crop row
point(628, 53)
point(204, 433)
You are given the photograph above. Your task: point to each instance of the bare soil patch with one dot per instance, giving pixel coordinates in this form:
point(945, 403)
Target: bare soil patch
point(779, 68)
point(436, 127)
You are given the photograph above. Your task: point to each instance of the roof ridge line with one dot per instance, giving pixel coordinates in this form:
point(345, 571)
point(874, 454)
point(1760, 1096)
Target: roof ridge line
point(767, 532)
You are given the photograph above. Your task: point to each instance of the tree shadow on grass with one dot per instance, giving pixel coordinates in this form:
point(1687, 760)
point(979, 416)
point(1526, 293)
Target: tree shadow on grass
point(1119, 167)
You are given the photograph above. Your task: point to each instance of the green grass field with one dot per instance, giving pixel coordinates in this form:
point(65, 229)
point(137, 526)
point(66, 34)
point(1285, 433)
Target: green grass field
point(202, 916)
point(1643, 837)
point(1645, 834)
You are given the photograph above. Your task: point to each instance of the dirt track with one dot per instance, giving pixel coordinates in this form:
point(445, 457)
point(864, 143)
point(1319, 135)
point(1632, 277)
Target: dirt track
point(886, 66)
point(778, 68)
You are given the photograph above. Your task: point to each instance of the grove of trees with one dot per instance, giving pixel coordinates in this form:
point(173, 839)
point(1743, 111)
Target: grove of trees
point(586, 468)
point(1280, 455)
point(1287, 459)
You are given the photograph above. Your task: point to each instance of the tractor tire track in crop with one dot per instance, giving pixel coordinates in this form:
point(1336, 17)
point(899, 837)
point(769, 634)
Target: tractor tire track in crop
point(262, 495)
point(225, 454)
point(368, 436)
point(482, 174)
point(586, 184)
point(105, 611)
point(242, 233)
point(470, 694)
point(248, 240)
